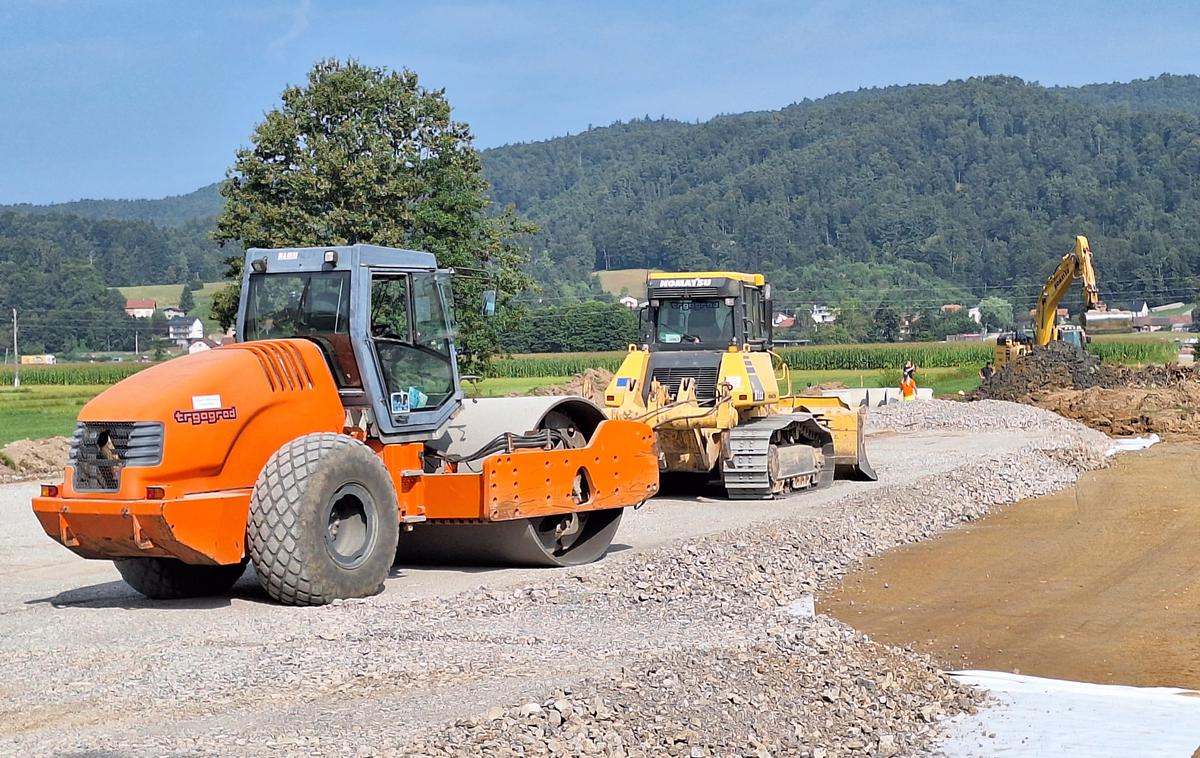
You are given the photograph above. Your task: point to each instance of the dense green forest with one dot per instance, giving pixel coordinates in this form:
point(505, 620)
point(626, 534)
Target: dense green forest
point(124, 252)
point(177, 210)
point(62, 302)
point(888, 201)
point(926, 191)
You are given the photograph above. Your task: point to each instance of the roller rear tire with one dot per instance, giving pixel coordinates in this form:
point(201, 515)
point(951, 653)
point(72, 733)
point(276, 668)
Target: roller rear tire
point(171, 578)
point(323, 522)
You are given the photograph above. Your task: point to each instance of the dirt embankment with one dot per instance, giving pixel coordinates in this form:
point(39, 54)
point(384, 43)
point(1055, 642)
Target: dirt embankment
point(590, 384)
point(25, 459)
point(1116, 400)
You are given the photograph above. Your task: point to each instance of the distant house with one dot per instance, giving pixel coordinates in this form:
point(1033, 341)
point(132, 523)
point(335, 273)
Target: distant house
point(185, 330)
point(975, 315)
point(951, 308)
point(823, 314)
point(630, 302)
point(783, 321)
point(227, 340)
point(1174, 317)
point(140, 308)
point(171, 312)
point(200, 346)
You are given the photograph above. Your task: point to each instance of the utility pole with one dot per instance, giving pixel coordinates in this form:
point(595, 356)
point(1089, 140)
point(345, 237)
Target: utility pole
point(16, 354)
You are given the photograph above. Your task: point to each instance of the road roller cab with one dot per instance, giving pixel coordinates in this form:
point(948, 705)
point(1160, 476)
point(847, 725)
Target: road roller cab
point(333, 434)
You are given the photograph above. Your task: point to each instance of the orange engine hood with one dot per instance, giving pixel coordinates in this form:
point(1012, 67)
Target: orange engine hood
point(223, 411)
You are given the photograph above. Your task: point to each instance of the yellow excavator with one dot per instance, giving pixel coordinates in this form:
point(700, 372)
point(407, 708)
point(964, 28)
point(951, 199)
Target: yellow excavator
point(1075, 265)
point(709, 384)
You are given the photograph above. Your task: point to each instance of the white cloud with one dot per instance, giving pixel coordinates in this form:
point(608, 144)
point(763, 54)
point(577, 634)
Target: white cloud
point(299, 24)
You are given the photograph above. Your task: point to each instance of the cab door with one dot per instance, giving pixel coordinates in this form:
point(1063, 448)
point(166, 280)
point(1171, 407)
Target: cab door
point(410, 339)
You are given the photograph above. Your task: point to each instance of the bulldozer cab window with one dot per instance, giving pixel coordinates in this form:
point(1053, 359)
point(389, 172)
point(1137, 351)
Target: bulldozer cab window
point(754, 314)
point(313, 305)
point(411, 333)
point(701, 321)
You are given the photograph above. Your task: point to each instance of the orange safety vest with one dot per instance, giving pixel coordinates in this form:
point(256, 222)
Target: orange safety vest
point(908, 388)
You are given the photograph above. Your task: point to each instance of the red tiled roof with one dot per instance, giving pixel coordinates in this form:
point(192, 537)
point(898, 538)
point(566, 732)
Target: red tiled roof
point(142, 303)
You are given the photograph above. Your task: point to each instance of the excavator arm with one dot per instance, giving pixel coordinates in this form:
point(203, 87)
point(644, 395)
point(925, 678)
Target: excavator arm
point(1076, 264)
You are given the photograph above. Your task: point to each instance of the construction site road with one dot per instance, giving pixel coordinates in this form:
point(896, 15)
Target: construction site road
point(86, 663)
point(34, 570)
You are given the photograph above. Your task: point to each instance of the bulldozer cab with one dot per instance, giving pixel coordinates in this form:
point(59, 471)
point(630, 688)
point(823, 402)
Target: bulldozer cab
point(708, 311)
point(383, 319)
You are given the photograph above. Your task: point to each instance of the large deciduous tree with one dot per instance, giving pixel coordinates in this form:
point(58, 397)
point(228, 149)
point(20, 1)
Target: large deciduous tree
point(364, 154)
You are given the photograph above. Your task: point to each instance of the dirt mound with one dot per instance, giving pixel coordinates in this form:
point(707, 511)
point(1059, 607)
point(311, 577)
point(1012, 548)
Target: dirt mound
point(1171, 412)
point(1056, 366)
point(590, 384)
point(26, 458)
point(815, 389)
point(1116, 400)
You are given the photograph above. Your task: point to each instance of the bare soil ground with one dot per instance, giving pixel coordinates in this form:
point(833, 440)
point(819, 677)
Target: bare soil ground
point(1116, 400)
point(1098, 583)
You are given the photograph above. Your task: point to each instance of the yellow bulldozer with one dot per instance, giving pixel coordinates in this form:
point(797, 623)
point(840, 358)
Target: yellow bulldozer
point(719, 398)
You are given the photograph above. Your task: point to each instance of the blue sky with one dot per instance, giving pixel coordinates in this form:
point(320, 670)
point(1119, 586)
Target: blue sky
point(144, 98)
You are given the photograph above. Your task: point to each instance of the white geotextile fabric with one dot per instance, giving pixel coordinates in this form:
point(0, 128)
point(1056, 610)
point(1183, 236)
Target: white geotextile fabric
point(1031, 716)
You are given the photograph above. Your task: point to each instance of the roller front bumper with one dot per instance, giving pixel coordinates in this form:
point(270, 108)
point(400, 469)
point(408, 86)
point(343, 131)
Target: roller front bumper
point(207, 528)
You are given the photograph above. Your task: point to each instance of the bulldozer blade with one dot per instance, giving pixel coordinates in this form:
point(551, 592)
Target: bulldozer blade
point(859, 469)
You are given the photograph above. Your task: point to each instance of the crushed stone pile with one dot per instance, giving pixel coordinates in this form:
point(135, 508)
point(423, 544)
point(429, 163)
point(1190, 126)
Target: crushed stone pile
point(29, 458)
point(982, 415)
point(807, 688)
point(590, 384)
point(1116, 400)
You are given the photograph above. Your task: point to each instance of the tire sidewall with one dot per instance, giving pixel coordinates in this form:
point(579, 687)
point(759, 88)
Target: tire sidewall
point(349, 464)
point(288, 520)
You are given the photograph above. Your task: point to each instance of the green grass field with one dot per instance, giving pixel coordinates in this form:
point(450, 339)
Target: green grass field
point(168, 294)
point(503, 386)
point(35, 412)
point(943, 381)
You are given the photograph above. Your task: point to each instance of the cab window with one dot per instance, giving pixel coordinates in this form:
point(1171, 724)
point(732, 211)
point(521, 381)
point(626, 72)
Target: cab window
point(411, 337)
point(754, 315)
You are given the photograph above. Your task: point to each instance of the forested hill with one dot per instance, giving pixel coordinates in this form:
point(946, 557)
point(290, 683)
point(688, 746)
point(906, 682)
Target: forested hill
point(931, 192)
point(1165, 93)
point(977, 184)
point(176, 210)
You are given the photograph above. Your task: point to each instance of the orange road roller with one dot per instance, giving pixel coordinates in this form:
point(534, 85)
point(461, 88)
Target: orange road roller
point(332, 440)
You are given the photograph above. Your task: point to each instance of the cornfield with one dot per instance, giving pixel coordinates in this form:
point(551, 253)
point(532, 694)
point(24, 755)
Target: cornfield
point(811, 358)
point(837, 357)
point(553, 364)
point(72, 373)
point(1134, 352)
point(887, 356)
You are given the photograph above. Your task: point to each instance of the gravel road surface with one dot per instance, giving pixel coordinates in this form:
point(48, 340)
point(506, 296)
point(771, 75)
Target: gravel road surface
point(691, 638)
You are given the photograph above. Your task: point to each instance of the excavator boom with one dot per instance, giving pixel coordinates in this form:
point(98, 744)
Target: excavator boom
point(1076, 264)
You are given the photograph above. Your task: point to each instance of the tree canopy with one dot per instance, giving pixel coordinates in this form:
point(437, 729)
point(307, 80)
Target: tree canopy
point(364, 154)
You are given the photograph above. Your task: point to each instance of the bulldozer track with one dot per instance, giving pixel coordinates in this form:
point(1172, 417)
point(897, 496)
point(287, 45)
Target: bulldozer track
point(746, 472)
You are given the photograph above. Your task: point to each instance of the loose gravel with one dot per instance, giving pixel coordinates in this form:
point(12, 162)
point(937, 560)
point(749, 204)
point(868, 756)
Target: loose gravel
point(703, 647)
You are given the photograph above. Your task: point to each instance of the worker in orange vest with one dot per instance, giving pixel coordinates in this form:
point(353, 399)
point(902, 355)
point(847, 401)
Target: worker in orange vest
point(908, 384)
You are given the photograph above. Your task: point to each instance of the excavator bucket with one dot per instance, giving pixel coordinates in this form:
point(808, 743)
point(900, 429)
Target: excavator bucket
point(847, 425)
